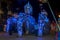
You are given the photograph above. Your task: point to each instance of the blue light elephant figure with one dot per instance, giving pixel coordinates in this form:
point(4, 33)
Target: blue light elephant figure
point(42, 21)
point(26, 18)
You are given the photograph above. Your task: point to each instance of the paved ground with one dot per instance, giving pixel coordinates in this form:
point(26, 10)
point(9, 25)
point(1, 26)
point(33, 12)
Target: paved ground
point(5, 36)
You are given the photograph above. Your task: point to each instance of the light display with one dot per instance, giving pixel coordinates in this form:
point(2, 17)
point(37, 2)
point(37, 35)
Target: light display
point(42, 20)
point(22, 17)
point(29, 18)
point(10, 21)
point(29, 21)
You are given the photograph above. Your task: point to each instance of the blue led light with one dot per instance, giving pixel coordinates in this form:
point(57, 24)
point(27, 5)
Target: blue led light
point(28, 8)
point(9, 22)
point(23, 17)
point(20, 21)
point(42, 20)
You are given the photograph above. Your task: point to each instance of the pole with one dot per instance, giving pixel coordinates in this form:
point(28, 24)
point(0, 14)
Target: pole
point(53, 15)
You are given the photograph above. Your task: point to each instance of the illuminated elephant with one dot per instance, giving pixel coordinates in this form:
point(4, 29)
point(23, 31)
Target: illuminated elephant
point(42, 21)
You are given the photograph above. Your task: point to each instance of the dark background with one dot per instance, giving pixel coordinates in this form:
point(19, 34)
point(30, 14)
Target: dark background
point(35, 4)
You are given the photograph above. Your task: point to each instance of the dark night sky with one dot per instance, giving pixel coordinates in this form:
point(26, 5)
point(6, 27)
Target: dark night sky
point(55, 5)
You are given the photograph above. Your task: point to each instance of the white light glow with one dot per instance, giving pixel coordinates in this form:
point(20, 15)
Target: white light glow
point(59, 15)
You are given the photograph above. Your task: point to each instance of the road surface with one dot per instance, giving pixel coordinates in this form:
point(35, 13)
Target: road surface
point(5, 36)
